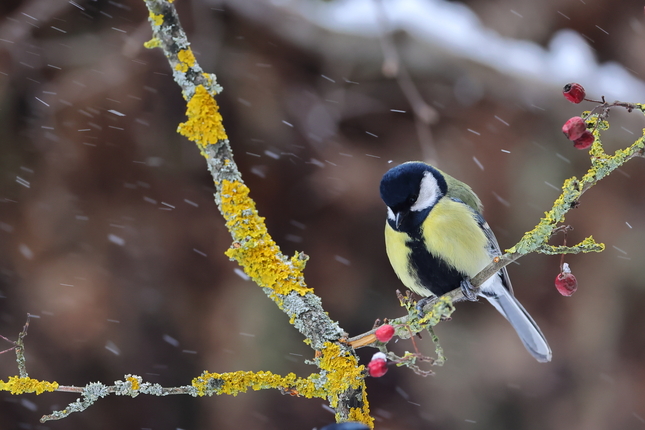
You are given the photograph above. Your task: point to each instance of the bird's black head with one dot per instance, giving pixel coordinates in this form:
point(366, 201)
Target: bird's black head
point(410, 190)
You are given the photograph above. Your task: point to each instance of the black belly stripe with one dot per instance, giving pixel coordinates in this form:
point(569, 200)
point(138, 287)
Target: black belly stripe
point(433, 272)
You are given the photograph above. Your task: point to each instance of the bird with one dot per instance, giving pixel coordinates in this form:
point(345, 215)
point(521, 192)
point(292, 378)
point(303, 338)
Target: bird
point(437, 240)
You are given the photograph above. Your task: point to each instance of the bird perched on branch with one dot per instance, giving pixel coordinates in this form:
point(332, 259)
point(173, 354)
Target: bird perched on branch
point(437, 240)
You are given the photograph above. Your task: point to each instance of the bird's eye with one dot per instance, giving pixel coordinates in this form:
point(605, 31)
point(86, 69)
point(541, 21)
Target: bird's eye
point(412, 198)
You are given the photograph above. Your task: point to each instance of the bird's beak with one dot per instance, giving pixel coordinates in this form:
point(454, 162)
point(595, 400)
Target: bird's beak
point(399, 217)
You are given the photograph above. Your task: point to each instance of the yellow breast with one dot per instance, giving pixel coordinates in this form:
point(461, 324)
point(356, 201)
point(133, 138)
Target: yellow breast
point(399, 254)
point(451, 231)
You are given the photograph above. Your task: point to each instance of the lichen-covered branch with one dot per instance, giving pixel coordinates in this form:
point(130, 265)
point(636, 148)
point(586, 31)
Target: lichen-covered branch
point(20, 350)
point(602, 164)
point(340, 372)
point(25, 384)
point(132, 386)
point(279, 276)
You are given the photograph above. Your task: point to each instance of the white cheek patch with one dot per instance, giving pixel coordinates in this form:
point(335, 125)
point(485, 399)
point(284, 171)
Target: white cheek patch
point(390, 214)
point(429, 193)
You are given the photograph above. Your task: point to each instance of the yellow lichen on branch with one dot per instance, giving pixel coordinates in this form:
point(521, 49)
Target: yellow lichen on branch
point(602, 164)
point(155, 19)
point(204, 125)
point(253, 248)
point(135, 382)
point(187, 60)
point(234, 383)
point(17, 385)
point(342, 371)
point(152, 43)
point(361, 415)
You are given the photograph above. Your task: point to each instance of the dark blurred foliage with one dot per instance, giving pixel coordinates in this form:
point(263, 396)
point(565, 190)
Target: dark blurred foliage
point(109, 232)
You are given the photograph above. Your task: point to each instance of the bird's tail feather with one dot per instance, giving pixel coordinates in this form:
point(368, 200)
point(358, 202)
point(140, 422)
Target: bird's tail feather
point(528, 331)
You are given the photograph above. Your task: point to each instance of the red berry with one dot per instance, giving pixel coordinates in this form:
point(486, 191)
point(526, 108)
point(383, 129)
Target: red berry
point(378, 366)
point(565, 282)
point(574, 128)
point(384, 333)
point(573, 92)
point(584, 141)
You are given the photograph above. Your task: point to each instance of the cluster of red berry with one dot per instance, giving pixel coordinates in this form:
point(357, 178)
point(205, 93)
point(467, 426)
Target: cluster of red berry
point(377, 367)
point(575, 129)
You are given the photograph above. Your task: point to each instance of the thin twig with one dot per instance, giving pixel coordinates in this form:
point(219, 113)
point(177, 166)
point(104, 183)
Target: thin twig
point(20, 350)
point(424, 114)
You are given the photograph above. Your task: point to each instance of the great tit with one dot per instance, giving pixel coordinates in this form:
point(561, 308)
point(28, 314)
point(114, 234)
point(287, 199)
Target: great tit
point(437, 240)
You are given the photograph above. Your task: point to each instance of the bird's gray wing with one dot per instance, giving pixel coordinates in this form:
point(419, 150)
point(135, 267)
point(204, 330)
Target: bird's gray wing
point(494, 250)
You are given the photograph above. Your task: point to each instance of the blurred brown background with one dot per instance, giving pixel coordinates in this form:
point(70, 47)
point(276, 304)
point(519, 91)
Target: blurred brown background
point(109, 232)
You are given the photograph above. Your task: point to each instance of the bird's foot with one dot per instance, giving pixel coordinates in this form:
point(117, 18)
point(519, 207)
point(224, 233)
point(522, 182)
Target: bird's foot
point(422, 304)
point(469, 292)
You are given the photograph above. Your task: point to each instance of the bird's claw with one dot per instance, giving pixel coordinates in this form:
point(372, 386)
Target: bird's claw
point(421, 304)
point(469, 292)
